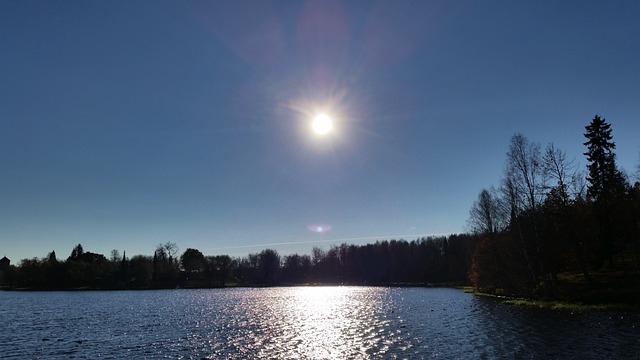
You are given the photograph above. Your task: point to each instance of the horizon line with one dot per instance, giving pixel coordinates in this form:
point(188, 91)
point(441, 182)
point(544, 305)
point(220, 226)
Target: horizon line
point(383, 237)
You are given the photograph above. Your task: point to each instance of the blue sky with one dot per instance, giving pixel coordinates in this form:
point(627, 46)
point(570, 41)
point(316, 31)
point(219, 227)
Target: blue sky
point(128, 124)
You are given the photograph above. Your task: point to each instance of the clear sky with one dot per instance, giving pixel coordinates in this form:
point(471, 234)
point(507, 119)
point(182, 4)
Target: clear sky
point(125, 124)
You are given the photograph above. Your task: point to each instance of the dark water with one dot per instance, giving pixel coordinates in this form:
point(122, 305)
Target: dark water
point(302, 323)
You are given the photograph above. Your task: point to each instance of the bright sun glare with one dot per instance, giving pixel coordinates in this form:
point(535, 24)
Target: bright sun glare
point(322, 124)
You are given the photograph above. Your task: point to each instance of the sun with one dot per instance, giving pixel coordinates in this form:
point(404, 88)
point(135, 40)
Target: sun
point(322, 124)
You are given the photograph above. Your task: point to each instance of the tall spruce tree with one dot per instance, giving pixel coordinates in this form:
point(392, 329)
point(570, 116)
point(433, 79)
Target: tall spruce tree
point(602, 164)
point(606, 186)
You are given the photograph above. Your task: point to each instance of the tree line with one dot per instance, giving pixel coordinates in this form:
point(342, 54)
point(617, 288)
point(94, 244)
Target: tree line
point(548, 219)
point(445, 259)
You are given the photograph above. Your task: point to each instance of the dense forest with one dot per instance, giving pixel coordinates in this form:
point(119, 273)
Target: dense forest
point(427, 260)
point(549, 230)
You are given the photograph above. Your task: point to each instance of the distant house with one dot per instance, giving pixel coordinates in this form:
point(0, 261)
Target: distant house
point(4, 263)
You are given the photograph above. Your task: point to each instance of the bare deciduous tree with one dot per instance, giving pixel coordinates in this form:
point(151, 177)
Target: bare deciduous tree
point(525, 171)
point(486, 215)
point(557, 167)
point(524, 187)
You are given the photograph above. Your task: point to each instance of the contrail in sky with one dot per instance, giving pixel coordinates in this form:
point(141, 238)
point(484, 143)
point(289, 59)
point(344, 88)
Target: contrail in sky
point(385, 237)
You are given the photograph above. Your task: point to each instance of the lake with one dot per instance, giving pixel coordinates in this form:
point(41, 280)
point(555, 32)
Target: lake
point(302, 323)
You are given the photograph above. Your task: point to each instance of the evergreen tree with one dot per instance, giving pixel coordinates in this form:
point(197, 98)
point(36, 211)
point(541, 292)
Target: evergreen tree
point(76, 253)
point(607, 186)
point(602, 165)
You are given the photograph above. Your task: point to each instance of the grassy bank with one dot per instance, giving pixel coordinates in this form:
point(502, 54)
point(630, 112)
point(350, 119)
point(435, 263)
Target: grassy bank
point(569, 306)
point(616, 289)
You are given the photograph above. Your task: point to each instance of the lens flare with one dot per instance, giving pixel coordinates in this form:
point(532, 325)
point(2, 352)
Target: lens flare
point(319, 228)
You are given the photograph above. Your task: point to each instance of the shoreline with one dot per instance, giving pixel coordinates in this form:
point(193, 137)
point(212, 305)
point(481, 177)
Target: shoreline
point(560, 304)
point(553, 305)
point(239, 285)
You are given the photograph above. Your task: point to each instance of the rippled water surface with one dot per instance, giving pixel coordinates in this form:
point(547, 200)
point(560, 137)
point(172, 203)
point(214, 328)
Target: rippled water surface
point(302, 323)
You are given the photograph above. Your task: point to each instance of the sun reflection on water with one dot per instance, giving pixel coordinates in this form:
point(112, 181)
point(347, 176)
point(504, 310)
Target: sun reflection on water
point(302, 323)
point(323, 313)
point(323, 323)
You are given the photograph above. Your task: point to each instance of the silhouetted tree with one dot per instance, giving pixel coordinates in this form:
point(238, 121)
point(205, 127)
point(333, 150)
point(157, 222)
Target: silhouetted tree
point(569, 180)
point(165, 266)
point(637, 172)
point(193, 263)
point(247, 269)
point(607, 185)
point(562, 240)
point(296, 269)
point(525, 180)
point(76, 252)
point(487, 214)
point(115, 256)
point(140, 271)
point(602, 166)
point(268, 266)
point(54, 272)
point(121, 276)
point(30, 274)
point(218, 269)
point(458, 257)
point(554, 225)
point(87, 269)
point(487, 220)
